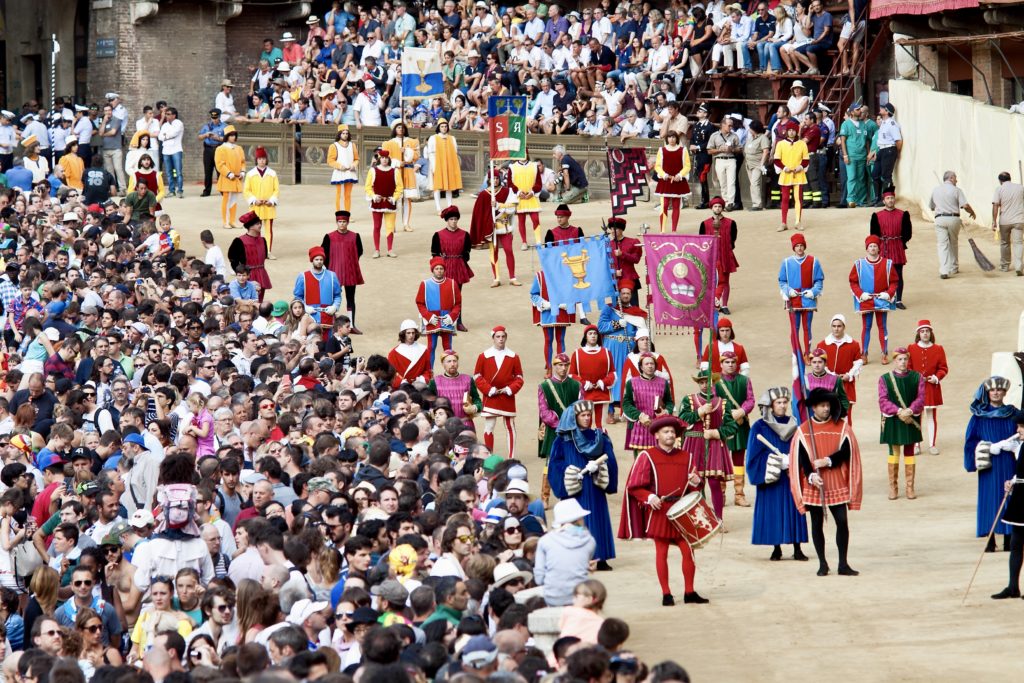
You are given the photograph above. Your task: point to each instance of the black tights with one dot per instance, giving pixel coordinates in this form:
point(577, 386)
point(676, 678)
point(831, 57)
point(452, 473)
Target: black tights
point(1016, 556)
point(818, 531)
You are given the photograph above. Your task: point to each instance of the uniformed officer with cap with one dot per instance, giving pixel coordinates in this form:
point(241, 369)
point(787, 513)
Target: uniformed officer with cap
point(699, 137)
point(212, 135)
point(890, 142)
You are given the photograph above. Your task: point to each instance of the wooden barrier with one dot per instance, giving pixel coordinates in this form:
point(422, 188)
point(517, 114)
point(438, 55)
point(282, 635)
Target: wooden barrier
point(299, 153)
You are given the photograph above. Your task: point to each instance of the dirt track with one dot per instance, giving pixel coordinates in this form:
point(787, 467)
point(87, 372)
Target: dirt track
point(901, 619)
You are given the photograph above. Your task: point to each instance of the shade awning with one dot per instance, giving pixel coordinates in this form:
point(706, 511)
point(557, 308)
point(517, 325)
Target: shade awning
point(887, 8)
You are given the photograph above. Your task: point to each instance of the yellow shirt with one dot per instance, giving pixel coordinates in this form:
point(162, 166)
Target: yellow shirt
point(145, 631)
point(792, 155)
point(404, 154)
point(263, 187)
point(229, 158)
point(74, 169)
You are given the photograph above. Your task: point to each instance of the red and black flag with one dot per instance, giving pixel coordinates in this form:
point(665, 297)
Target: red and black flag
point(627, 176)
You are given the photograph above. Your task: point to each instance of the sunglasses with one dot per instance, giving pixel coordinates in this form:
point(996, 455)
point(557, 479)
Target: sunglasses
point(95, 628)
point(86, 582)
point(51, 633)
point(225, 608)
point(513, 530)
point(112, 549)
point(467, 538)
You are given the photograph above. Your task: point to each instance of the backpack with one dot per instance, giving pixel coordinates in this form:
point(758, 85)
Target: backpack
point(178, 503)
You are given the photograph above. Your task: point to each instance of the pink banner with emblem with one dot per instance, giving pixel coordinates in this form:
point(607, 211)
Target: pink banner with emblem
point(681, 277)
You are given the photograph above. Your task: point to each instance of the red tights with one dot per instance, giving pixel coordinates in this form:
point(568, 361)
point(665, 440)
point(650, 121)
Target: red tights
point(799, 199)
point(535, 217)
point(380, 218)
point(673, 204)
point(661, 547)
point(504, 242)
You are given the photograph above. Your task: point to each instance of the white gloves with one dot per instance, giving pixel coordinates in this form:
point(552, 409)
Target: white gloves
point(591, 467)
point(507, 391)
point(330, 310)
point(793, 292)
point(588, 385)
point(493, 391)
point(433, 319)
point(933, 380)
point(785, 461)
point(447, 321)
point(600, 384)
point(865, 296)
point(309, 309)
point(807, 293)
point(815, 480)
point(884, 296)
point(651, 499)
point(544, 306)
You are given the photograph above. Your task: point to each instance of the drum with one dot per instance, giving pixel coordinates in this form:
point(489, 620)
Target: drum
point(695, 519)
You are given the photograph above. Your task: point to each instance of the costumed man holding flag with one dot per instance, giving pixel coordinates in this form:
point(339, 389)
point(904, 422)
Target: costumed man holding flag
point(439, 301)
point(874, 281)
point(618, 325)
point(894, 228)
point(646, 396)
point(261, 192)
point(843, 359)
point(710, 426)
point(724, 228)
point(481, 223)
point(552, 321)
point(343, 249)
point(777, 522)
point(901, 400)
point(404, 152)
point(526, 186)
point(826, 459)
point(992, 422)
point(383, 190)
point(554, 395)
point(738, 393)
point(453, 244)
point(492, 223)
point(499, 377)
point(626, 254)
point(251, 250)
point(318, 288)
point(582, 466)
point(801, 281)
point(659, 477)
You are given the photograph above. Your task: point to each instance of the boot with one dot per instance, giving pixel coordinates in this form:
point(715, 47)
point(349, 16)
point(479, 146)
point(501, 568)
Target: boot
point(910, 482)
point(894, 484)
point(740, 498)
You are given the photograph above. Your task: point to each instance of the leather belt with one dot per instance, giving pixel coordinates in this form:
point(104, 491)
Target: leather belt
point(947, 215)
point(618, 337)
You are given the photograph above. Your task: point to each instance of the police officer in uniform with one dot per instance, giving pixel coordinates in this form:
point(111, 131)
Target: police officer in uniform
point(699, 136)
point(890, 142)
point(212, 135)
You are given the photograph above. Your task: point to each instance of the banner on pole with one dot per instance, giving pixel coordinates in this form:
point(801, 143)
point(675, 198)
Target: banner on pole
point(682, 279)
point(507, 127)
point(627, 176)
point(421, 73)
point(578, 272)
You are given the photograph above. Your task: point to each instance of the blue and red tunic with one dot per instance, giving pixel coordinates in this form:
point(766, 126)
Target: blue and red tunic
point(873, 277)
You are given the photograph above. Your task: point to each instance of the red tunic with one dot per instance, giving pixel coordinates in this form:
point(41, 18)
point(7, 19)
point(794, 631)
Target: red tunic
point(150, 178)
point(893, 227)
point(672, 165)
point(594, 366)
point(453, 246)
point(718, 348)
point(625, 263)
point(839, 359)
point(440, 299)
point(726, 233)
point(665, 474)
point(343, 250)
point(498, 369)
point(560, 234)
point(929, 360)
point(411, 363)
point(256, 259)
point(481, 225)
point(384, 185)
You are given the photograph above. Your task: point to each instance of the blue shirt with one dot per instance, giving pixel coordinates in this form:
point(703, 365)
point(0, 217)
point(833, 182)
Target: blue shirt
point(624, 29)
point(215, 128)
point(20, 177)
point(247, 292)
point(820, 22)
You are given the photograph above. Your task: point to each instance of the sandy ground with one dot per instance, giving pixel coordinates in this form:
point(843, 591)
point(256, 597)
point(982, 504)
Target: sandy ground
point(901, 619)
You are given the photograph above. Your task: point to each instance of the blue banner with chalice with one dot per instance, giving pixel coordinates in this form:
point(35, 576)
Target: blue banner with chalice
point(578, 272)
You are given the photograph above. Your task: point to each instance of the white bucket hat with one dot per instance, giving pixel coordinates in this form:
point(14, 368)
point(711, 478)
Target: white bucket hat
point(568, 511)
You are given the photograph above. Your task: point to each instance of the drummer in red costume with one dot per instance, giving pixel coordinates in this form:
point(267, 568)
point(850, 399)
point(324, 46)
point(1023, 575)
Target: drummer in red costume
point(251, 250)
point(929, 359)
point(724, 228)
point(409, 358)
point(843, 358)
point(626, 253)
point(457, 387)
point(893, 227)
point(439, 301)
point(672, 167)
point(660, 476)
point(825, 462)
point(563, 232)
point(344, 248)
point(593, 367)
point(453, 244)
point(499, 377)
point(383, 190)
point(725, 342)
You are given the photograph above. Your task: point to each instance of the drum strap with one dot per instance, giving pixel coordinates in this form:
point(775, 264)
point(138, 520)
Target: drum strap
point(728, 395)
point(558, 399)
point(899, 396)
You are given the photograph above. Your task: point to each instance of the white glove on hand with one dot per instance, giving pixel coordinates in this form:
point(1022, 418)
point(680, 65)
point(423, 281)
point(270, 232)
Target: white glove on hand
point(544, 306)
point(865, 296)
point(996, 448)
point(814, 479)
point(933, 380)
point(785, 461)
point(447, 321)
point(330, 310)
point(884, 296)
point(600, 384)
point(591, 467)
point(433, 319)
point(587, 386)
point(793, 293)
point(507, 391)
point(493, 391)
point(309, 309)
point(807, 293)
point(651, 499)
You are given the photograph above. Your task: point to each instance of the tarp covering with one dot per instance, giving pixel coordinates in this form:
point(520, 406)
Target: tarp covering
point(888, 8)
point(944, 132)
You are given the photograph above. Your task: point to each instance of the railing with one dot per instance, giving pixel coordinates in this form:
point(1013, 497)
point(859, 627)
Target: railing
point(306, 161)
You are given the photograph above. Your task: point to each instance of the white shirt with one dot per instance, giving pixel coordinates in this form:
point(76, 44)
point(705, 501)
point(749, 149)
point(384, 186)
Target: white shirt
point(160, 556)
point(215, 259)
point(225, 103)
point(171, 134)
point(152, 127)
point(374, 49)
point(657, 60)
point(84, 130)
point(367, 111)
point(635, 128)
point(546, 103)
point(447, 565)
point(533, 29)
point(602, 30)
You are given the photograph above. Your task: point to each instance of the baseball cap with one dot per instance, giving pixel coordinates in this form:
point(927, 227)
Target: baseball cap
point(48, 460)
point(113, 536)
point(137, 440)
point(305, 608)
point(492, 462)
point(141, 519)
point(82, 453)
point(321, 484)
point(479, 652)
point(251, 477)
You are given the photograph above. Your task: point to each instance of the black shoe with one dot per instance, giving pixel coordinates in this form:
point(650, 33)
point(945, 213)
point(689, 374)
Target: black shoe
point(990, 547)
point(799, 556)
point(1006, 593)
point(694, 599)
point(943, 276)
point(900, 305)
point(584, 322)
point(843, 206)
point(823, 569)
point(667, 600)
point(603, 566)
point(701, 207)
point(776, 554)
point(206, 193)
point(847, 570)
point(724, 310)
